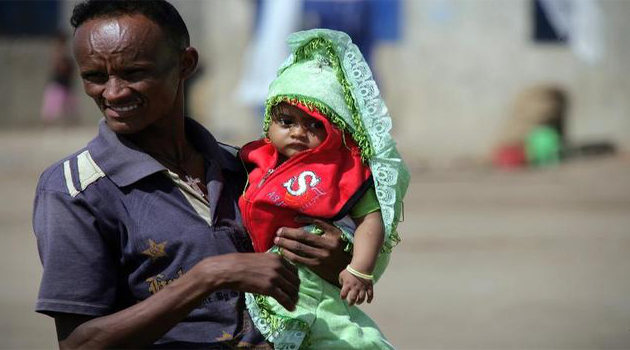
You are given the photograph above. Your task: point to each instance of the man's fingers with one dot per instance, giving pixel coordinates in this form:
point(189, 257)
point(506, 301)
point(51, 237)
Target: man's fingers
point(297, 259)
point(323, 254)
point(285, 287)
point(299, 235)
point(284, 299)
point(296, 247)
point(326, 226)
point(290, 288)
point(290, 273)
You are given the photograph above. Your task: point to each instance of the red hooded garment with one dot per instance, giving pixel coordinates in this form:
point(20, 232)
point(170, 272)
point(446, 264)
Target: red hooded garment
point(324, 182)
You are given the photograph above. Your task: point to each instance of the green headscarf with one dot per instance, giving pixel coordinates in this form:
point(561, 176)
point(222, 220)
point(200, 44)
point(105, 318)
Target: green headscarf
point(327, 71)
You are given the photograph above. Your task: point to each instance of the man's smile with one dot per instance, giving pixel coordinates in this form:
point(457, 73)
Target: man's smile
point(120, 110)
point(124, 108)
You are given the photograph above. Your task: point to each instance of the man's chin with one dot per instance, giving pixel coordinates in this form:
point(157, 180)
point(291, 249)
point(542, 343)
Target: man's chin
point(121, 127)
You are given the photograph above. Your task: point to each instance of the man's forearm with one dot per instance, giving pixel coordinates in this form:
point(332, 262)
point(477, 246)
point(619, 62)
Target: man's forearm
point(142, 324)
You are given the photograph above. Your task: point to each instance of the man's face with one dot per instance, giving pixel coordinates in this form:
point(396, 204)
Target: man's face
point(130, 71)
point(292, 131)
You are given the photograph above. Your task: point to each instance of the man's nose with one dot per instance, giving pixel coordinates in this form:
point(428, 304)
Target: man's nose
point(115, 89)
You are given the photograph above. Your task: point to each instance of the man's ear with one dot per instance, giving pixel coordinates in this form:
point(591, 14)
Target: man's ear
point(189, 61)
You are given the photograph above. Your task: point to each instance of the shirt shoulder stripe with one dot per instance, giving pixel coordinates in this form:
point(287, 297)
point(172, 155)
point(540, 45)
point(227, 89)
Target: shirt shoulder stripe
point(89, 171)
point(67, 173)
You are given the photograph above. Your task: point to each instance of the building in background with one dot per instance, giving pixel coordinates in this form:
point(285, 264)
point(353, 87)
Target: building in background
point(449, 81)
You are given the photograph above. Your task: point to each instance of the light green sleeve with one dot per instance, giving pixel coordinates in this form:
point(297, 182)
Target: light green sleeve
point(367, 204)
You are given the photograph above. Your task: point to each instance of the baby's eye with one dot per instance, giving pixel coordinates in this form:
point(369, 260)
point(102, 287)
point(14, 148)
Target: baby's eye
point(315, 125)
point(284, 121)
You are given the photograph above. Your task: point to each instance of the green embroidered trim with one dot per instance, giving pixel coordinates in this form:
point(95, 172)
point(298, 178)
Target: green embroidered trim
point(349, 245)
point(360, 135)
point(316, 230)
point(278, 323)
point(392, 240)
point(312, 105)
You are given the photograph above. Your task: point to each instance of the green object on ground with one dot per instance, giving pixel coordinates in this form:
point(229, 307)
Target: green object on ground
point(542, 146)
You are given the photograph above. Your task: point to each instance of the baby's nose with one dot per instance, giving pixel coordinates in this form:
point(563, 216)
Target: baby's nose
point(299, 130)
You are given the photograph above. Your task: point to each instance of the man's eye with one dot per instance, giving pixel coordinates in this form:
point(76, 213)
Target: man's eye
point(96, 78)
point(133, 74)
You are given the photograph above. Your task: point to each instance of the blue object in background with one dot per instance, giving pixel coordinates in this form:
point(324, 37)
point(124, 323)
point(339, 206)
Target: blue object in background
point(386, 19)
point(365, 21)
point(32, 18)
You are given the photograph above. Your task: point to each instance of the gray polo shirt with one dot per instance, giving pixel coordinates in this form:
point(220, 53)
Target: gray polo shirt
point(113, 228)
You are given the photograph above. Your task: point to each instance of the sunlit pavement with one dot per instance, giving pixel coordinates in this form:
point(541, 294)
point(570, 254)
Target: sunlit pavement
point(489, 260)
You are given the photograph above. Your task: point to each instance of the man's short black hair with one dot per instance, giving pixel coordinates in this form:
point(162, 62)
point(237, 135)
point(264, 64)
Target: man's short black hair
point(159, 11)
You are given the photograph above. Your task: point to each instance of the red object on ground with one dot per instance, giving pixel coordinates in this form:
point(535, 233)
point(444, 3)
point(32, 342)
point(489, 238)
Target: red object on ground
point(510, 157)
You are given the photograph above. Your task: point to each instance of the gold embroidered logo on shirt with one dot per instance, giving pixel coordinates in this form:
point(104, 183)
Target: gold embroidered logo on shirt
point(157, 283)
point(155, 250)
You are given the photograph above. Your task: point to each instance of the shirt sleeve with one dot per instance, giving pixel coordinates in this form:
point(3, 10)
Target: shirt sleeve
point(367, 204)
point(79, 268)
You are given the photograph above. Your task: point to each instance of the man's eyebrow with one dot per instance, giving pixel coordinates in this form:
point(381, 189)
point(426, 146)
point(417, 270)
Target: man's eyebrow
point(143, 64)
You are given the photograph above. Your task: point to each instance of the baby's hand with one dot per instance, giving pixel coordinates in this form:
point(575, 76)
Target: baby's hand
point(355, 289)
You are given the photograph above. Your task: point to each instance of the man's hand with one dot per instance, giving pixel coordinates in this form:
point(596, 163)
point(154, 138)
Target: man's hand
point(323, 254)
point(354, 289)
point(260, 273)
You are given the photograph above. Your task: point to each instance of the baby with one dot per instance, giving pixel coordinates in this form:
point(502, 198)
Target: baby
point(323, 128)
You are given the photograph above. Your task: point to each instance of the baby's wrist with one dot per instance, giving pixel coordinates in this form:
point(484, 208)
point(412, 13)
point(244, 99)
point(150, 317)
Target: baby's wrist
point(360, 274)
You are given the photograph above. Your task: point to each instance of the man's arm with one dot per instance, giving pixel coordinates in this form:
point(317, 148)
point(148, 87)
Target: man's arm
point(142, 324)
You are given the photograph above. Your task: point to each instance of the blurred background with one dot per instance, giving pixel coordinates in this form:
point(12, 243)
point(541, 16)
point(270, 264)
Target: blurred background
point(513, 115)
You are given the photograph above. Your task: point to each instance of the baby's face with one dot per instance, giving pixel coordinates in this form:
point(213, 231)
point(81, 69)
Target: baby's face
point(292, 131)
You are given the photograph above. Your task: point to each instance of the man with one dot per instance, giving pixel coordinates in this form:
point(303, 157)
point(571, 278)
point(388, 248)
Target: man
point(139, 231)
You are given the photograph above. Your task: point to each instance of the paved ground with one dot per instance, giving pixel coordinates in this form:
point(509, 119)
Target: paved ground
point(528, 260)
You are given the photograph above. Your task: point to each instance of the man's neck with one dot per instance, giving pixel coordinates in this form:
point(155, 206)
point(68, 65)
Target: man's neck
point(166, 137)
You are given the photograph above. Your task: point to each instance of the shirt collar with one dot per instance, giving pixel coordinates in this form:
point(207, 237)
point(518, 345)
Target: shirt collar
point(125, 163)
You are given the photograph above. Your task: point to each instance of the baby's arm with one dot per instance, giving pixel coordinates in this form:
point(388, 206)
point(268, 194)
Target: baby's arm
point(368, 239)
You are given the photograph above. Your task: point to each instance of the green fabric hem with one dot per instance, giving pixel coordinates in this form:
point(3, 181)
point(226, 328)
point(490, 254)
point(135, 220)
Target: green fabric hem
point(270, 324)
